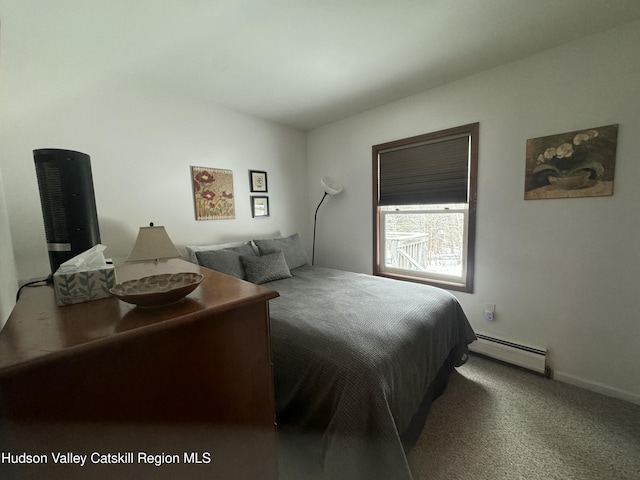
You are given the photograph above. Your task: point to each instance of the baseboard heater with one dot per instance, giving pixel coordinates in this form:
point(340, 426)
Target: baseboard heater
point(530, 358)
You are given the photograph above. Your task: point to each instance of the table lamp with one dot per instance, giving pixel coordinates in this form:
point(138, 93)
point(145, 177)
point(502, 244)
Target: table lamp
point(159, 290)
point(153, 243)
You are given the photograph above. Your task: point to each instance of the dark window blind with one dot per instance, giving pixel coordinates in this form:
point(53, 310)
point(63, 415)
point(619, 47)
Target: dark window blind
point(431, 173)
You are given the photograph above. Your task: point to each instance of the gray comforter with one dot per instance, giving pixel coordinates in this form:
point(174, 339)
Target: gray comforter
point(353, 357)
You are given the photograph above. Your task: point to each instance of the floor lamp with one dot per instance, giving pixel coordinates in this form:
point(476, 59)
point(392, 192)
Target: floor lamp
point(331, 187)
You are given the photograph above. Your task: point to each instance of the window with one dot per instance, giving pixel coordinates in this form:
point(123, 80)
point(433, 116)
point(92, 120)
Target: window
point(424, 204)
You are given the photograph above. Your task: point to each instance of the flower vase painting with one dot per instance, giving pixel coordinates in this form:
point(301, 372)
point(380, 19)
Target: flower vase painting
point(572, 164)
point(213, 193)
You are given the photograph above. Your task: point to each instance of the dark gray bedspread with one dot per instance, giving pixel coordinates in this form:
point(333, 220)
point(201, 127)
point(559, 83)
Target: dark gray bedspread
point(353, 356)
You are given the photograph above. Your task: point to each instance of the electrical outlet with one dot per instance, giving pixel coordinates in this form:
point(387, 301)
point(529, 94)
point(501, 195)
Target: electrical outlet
point(489, 311)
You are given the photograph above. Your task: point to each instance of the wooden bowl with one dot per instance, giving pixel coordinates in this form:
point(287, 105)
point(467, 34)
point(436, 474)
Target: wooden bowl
point(157, 290)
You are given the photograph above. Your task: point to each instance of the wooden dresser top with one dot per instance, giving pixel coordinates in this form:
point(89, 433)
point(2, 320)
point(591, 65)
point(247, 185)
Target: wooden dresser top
point(38, 330)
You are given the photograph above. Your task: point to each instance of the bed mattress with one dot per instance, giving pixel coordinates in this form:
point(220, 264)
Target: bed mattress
point(354, 356)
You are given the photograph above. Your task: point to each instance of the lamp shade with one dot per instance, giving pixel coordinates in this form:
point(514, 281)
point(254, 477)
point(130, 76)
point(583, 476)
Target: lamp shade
point(331, 186)
point(153, 243)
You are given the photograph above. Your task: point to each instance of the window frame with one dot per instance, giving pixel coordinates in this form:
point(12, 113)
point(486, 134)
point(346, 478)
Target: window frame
point(472, 130)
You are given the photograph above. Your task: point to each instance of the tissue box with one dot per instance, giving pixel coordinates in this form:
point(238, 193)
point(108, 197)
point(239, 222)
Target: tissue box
point(82, 284)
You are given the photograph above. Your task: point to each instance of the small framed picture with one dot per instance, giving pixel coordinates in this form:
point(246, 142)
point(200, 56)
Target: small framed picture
point(259, 207)
point(258, 181)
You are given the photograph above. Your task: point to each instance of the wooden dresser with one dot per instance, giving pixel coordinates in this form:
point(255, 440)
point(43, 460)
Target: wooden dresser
point(183, 391)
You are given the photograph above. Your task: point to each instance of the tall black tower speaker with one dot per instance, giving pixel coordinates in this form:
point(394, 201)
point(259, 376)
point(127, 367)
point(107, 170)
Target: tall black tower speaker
point(68, 203)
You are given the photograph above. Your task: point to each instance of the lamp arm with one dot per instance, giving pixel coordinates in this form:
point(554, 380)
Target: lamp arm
point(315, 219)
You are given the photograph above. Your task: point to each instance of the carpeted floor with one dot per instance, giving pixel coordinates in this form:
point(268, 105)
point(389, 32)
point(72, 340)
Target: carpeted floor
point(497, 422)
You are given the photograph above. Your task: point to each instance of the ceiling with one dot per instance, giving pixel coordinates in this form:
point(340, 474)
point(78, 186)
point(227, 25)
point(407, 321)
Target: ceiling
point(303, 63)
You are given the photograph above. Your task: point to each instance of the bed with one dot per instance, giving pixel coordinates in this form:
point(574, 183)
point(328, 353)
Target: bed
point(357, 358)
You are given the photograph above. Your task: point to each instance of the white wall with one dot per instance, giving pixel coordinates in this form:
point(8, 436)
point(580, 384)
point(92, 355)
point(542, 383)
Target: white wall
point(8, 284)
point(563, 273)
point(142, 142)
point(142, 145)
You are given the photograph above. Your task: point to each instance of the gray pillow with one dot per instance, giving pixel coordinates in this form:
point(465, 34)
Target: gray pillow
point(192, 249)
point(265, 268)
point(290, 246)
point(227, 260)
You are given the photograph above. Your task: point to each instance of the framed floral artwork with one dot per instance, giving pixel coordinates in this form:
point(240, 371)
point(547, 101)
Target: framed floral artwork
point(258, 181)
point(259, 207)
point(213, 193)
point(572, 164)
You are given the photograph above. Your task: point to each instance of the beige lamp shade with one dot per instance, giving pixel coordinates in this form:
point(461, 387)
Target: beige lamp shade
point(153, 243)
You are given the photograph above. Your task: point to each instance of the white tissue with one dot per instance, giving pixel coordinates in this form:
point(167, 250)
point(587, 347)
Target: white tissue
point(89, 258)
